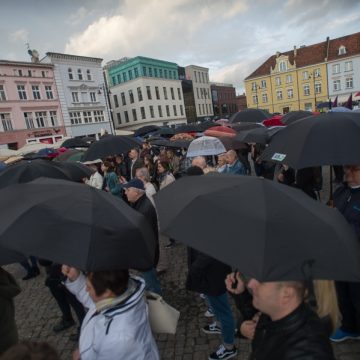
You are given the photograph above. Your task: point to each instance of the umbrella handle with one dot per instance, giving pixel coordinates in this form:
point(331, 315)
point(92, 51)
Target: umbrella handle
point(235, 283)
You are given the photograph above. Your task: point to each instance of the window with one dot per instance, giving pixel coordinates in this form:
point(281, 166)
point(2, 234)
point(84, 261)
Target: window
point(279, 94)
point(308, 106)
point(170, 74)
point(160, 73)
point(156, 72)
point(152, 111)
point(195, 76)
point(349, 83)
point(175, 76)
point(75, 117)
point(202, 76)
point(99, 116)
point(253, 86)
point(175, 111)
point(165, 93)
point(123, 98)
point(2, 93)
point(207, 78)
point(342, 50)
point(278, 80)
point(165, 74)
point(317, 88)
point(88, 75)
point(290, 93)
point(167, 110)
point(199, 109)
point(29, 122)
point(202, 92)
point(282, 66)
point(181, 110)
point(255, 99)
point(40, 119)
point(53, 118)
point(87, 117)
point(148, 91)
point(172, 93)
point(126, 116)
point(80, 76)
point(317, 73)
point(93, 97)
point(348, 66)
point(118, 77)
point(160, 111)
point(6, 122)
point(305, 75)
point(263, 84)
point(36, 92)
point(264, 98)
point(142, 110)
point(140, 97)
point(131, 96)
point(306, 88)
point(136, 72)
point(157, 93)
point(48, 91)
point(124, 76)
point(134, 114)
point(43, 74)
point(197, 93)
point(150, 71)
point(203, 108)
point(118, 115)
point(179, 93)
point(70, 74)
point(130, 74)
point(336, 85)
point(75, 97)
point(116, 101)
point(113, 80)
point(336, 69)
point(29, 73)
point(22, 92)
point(19, 72)
point(288, 79)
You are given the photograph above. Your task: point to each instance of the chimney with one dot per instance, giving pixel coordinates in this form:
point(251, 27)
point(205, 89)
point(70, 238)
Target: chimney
point(277, 54)
point(295, 51)
point(327, 48)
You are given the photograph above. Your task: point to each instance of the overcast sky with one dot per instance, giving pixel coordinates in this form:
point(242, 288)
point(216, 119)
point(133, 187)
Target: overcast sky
point(231, 37)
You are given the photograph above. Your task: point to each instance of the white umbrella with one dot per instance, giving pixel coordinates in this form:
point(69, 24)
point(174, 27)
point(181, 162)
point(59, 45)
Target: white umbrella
point(205, 145)
point(33, 147)
point(6, 153)
point(339, 109)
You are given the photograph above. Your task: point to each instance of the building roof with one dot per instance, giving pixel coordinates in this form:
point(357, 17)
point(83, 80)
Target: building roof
point(25, 63)
point(312, 54)
point(220, 84)
point(124, 62)
point(73, 57)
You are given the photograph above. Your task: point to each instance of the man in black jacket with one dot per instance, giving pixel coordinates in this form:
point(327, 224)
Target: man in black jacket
point(347, 201)
point(287, 327)
point(135, 193)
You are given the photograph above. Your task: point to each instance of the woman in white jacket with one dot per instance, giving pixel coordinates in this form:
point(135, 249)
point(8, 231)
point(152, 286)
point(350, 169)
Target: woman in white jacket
point(116, 326)
point(96, 179)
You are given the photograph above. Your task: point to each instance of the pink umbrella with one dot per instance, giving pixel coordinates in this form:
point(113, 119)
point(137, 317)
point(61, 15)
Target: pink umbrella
point(220, 131)
point(223, 122)
point(274, 121)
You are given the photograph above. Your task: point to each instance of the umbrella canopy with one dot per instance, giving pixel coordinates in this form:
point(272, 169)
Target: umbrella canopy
point(144, 130)
point(326, 139)
point(274, 121)
point(6, 153)
point(75, 224)
point(74, 143)
point(231, 143)
point(50, 153)
point(71, 155)
point(220, 131)
point(339, 109)
point(179, 144)
point(250, 115)
point(293, 116)
point(261, 135)
point(205, 145)
point(32, 147)
point(75, 171)
point(265, 229)
point(164, 131)
point(223, 122)
point(29, 170)
point(109, 146)
point(238, 127)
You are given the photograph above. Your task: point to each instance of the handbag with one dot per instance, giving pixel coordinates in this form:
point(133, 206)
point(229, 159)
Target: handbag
point(163, 317)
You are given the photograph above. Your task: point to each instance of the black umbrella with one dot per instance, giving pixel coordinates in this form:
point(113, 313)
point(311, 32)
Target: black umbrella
point(75, 224)
point(8, 256)
point(146, 130)
point(160, 142)
point(70, 155)
point(293, 116)
point(261, 135)
point(265, 229)
point(188, 128)
point(231, 143)
point(164, 131)
point(74, 143)
point(29, 170)
point(109, 146)
point(75, 171)
point(179, 144)
point(325, 139)
point(250, 115)
point(239, 127)
point(88, 139)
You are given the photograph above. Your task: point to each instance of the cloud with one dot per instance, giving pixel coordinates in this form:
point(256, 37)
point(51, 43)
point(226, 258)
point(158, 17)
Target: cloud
point(19, 35)
point(77, 17)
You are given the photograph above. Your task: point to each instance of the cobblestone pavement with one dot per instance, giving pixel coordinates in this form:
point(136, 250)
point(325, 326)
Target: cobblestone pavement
point(37, 313)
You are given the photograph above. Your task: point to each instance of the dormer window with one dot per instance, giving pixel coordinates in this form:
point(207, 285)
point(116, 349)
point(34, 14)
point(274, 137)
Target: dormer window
point(282, 66)
point(342, 50)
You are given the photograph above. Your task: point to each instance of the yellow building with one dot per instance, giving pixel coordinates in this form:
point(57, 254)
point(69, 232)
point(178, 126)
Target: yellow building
point(294, 80)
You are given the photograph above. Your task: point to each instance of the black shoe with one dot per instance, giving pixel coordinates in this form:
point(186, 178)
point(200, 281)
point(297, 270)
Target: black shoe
point(36, 271)
point(30, 275)
point(223, 354)
point(63, 325)
point(169, 245)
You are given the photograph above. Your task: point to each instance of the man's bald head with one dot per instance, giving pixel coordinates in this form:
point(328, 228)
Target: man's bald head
point(200, 162)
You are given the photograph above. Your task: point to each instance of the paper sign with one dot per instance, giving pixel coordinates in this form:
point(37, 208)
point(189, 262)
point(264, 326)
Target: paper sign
point(278, 157)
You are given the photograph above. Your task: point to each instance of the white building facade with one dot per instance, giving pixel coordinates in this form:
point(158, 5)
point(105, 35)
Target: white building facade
point(82, 94)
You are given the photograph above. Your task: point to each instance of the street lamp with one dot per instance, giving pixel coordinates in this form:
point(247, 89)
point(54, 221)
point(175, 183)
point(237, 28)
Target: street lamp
point(107, 94)
point(313, 77)
point(256, 87)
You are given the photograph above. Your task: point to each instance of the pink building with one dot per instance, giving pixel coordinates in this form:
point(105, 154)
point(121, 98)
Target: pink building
point(29, 104)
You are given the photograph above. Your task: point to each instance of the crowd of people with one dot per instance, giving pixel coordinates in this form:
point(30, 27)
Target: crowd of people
point(110, 305)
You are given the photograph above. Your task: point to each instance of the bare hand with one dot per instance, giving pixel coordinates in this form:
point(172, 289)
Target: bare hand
point(76, 354)
point(235, 278)
point(247, 329)
point(70, 272)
